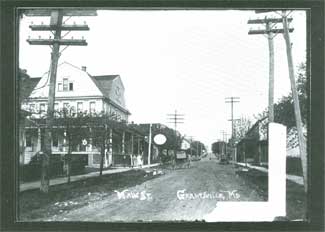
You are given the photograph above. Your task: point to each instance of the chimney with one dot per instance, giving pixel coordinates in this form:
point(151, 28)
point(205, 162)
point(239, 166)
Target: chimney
point(84, 68)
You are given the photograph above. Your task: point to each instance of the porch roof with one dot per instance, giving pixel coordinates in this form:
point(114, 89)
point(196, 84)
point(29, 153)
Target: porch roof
point(86, 122)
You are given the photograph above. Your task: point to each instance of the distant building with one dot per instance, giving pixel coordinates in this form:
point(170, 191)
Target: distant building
point(253, 147)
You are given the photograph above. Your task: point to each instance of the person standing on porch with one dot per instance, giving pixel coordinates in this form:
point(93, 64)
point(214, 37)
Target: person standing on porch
point(139, 161)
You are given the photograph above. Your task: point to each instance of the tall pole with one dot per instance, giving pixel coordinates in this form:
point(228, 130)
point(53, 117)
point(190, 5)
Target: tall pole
point(56, 19)
point(56, 27)
point(232, 100)
point(271, 72)
point(271, 31)
point(149, 146)
point(301, 139)
point(176, 119)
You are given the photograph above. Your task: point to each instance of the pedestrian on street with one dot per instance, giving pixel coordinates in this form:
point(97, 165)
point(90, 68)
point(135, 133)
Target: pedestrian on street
point(134, 160)
point(139, 161)
point(124, 160)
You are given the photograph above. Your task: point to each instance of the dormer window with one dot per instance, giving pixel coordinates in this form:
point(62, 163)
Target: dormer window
point(65, 85)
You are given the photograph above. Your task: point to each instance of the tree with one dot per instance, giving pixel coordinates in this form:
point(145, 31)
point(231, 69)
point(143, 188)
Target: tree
point(284, 109)
point(74, 131)
point(242, 126)
point(197, 147)
point(218, 147)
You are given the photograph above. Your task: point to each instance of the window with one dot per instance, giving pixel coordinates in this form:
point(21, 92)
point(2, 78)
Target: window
point(55, 139)
point(60, 87)
point(80, 107)
point(32, 107)
point(42, 108)
point(92, 107)
point(73, 110)
point(28, 139)
point(65, 84)
point(56, 106)
point(56, 109)
point(70, 86)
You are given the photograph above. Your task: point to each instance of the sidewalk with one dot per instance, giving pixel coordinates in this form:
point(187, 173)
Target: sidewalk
point(62, 180)
point(293, 178)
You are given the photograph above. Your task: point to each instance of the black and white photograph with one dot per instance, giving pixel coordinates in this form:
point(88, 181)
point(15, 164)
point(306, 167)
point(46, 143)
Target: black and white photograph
point(162, 115)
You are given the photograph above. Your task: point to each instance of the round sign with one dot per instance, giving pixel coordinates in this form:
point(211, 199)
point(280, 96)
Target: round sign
point(84, 142)
point(160, 139)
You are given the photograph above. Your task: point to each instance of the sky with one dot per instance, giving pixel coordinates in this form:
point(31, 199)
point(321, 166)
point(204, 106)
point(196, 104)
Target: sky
point(184, 60)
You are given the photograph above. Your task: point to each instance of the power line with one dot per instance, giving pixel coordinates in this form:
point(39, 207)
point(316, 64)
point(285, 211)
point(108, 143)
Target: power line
point(176, 119)
point(232, 100)
point(270, 31)
point(56, 26)
point(286, 34)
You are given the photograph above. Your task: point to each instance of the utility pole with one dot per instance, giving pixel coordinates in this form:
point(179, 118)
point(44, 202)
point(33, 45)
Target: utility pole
point(271, 31)
point(302, 143)
point(149, 146)
point(175, 119)
point(224, 139)
point(301, 138)
point(56, 27)
point(232, 100)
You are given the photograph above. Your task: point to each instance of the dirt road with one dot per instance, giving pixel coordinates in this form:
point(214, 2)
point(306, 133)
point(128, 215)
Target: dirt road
point(182, 194)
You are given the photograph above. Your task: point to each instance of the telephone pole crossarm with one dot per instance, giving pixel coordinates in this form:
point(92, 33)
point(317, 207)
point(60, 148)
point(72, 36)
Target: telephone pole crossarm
point(266, 20)
point(232, 100)
point(62, 27)
point(274, 31)
point(56, 26)
point(65, 42)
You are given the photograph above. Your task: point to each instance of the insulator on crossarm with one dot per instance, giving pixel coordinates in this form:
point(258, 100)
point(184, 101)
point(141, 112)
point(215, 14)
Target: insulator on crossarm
point(74, 23)
point(42, 22)
point(39, 36)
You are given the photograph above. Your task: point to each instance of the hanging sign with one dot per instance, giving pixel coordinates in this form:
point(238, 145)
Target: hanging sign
point(160, 139)
point(84, 142)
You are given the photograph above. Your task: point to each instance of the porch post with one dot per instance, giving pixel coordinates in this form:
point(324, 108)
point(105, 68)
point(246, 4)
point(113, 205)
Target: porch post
point(132, 151)
point(132, 144)
point(106, 148)
point(123, 143)
point(39, 141)
point(110, 147)
point(138, 145)
point(89, 149)
point(65, 163)
point(22, 144)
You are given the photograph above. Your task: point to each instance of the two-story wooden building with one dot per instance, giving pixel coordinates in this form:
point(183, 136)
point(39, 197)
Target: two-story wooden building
point(79, 91)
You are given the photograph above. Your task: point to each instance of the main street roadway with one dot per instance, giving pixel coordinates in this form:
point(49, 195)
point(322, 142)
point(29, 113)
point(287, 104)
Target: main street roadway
point(181, 194)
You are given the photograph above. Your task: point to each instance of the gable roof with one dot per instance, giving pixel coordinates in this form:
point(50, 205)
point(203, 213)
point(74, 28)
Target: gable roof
point(26, 87)
point(104, 83)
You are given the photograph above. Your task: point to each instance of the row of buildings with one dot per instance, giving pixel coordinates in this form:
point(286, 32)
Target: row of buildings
point(253, 148)
point(80, 93)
